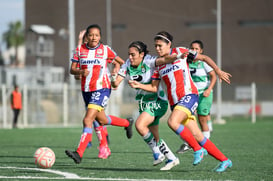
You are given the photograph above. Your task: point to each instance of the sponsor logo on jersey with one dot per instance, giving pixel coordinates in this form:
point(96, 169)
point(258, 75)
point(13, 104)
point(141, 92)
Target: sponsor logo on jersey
point(95, 61)
point(171, 69)
point(136, 77)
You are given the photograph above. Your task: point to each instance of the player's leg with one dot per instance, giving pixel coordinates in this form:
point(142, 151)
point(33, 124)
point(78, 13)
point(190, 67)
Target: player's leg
point(86, 136)
point(159, 108)
point(179, 115)
point(94, 103)
point(116, 121)
point(112, 120)
point(203, 111)
point(208, 145)
point(141, 124)
point(210, 124)
point(105, 129)
point(15, 118)
point(203, 121)
point(104, 150)
point(172, 160)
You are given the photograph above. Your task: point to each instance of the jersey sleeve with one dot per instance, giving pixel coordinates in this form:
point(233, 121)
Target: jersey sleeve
point(150, 60)
point(123, 69)
point(76, 57)
point(182, 49)
point(191, 56)
point(111, 54)
point(207, 67)
point(156, 75)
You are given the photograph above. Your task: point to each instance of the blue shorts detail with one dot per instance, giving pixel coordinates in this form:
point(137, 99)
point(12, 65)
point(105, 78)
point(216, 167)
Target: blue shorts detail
point(189, 101)
point(180, 129)
point(99, 97)
point(203, 142)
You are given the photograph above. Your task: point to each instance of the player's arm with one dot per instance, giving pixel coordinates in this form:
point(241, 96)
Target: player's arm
point(75, 71)
point(153, 87)
point(221, 74)
point(118, 60)
point(81, 37)
point(213, 79)
point(166, 59)
point(116, 80)
point(116, 68)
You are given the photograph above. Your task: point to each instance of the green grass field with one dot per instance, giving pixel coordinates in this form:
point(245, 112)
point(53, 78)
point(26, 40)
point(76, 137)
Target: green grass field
point(249, 146)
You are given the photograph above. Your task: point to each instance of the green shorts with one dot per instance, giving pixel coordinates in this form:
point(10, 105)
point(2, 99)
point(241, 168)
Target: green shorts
point(155, 108)
point(204, 104)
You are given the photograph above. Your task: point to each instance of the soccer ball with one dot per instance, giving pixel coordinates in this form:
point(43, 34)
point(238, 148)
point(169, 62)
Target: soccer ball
point(44, 157)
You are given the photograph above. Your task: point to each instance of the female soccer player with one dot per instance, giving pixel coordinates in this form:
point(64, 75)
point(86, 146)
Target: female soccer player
point(183, 94)
point(152, 106)
point(96, 87)
point(204, 78)
point(101, 131)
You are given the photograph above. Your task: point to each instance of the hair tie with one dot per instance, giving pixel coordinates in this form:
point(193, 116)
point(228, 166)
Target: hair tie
point(161, 36)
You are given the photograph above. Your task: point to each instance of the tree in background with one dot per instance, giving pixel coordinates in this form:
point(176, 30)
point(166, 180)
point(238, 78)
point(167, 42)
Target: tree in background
point(14, 37)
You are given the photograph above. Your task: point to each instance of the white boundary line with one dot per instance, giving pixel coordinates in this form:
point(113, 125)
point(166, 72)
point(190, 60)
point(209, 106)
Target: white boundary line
point(65, 174)
point(68, 176)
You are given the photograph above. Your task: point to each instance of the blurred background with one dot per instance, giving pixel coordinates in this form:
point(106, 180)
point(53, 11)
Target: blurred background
point(38, 38)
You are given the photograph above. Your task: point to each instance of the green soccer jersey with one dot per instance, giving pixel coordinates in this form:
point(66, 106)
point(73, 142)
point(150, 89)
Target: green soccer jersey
point(200, 75)
point(143, 74)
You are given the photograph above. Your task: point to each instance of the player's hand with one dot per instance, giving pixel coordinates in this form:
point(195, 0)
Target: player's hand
point(113, 77)
point(134, 84)
point(206, 93)
point(85, 72)
point(224, 76)
point(78, 77)
point(81, 34)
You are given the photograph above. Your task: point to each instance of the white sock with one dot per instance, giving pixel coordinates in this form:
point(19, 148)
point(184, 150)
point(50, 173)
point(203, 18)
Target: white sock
point(150, 140)
point(210, 125)
point(206, 134)
point(163, 147)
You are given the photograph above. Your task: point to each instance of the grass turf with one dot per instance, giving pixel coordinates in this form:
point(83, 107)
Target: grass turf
point(248, 145)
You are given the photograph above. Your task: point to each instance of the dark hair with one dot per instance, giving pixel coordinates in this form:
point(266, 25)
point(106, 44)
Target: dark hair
point(199, 42)
point(140, 46)
point(165, 36)
point(93, 26)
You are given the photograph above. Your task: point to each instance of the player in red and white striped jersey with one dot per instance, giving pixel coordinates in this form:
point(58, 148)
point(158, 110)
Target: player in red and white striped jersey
point(101, 131)
point(183, 97)
point(93, 58)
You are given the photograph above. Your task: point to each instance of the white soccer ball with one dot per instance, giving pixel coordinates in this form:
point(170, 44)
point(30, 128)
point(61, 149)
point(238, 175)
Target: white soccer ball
point(44, 157)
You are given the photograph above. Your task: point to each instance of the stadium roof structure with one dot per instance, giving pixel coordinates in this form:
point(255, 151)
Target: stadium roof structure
point(42, 29)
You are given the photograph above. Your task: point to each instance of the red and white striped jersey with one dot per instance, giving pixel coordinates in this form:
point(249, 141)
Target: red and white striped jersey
point(177, 78)
point(95, 60)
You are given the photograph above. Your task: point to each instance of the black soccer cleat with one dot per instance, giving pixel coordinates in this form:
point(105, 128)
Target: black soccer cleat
point(183, 148)
point(129, 129)
point(74, 155)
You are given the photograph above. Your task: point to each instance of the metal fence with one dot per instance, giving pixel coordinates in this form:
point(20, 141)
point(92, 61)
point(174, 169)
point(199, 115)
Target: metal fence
point(45, 107)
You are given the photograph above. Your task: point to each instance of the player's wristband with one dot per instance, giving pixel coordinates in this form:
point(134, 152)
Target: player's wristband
point(178, 56)
point(113, 77)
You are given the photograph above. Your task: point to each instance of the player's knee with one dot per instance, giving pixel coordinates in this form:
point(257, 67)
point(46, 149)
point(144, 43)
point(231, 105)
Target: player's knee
point(173, 124)
point(87, 122)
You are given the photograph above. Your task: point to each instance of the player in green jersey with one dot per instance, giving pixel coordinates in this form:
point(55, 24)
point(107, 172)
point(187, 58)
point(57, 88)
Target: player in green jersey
point(152, 106)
